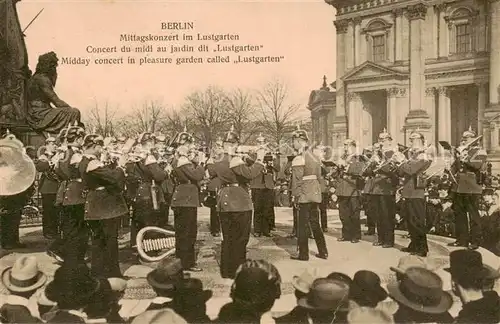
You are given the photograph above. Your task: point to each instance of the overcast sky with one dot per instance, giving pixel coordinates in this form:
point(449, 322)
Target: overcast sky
point(301, 31)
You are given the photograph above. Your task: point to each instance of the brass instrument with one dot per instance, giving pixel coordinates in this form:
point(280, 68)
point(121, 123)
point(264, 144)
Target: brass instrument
point(17, 170)
point(154, 250)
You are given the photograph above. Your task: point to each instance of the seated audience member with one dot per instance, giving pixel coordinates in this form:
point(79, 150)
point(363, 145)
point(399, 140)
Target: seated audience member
point(490, 222)
point(167, 275)
point(73, 288)
point(327, 302)
point(420, 297)
point(159, 316)
point(256, 286)
point(368, 315)
point(104, 308)
point(190, 301)
point(302, 285)
point(365, 289)
point(468, 274)
point(22, 280)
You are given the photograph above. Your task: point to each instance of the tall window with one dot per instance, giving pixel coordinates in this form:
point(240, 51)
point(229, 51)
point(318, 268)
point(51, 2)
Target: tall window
point(463, 38)
point(378, 50)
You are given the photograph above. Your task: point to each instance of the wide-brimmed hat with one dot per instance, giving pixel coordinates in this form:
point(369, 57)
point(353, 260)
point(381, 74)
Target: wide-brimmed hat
point(365, 287)
point(341, 277)
point(327, 294)
point(167, 274)
point(469, 264)
point(72, 285)
point(409, 261)
point(304, 282)
point(24, 275)
point(192, 288)
point(422, 290)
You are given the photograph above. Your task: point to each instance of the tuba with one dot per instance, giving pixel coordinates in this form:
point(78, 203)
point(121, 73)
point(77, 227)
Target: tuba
point(17, 170)
point(156, 248)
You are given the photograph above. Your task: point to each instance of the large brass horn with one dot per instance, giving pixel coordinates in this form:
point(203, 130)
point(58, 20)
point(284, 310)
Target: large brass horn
point(161, 246)
point(17, 170)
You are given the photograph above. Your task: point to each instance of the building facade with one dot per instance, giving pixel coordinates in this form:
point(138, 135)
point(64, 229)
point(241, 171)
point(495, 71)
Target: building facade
point(413, 64)
point(322, 106)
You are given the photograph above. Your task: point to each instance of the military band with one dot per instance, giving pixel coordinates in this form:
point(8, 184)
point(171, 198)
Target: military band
point(89, 184)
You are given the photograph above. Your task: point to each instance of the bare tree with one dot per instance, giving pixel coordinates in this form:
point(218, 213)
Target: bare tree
point(276, 114)
point(241, 114)
point(148, 117)
point(208, 112)
point(103, 119)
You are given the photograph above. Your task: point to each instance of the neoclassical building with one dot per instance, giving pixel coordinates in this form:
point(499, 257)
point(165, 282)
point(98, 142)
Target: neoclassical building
point(408, 64)
point(322, 106)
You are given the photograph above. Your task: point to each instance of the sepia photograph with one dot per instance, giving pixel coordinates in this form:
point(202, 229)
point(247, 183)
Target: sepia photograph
point(250, 161)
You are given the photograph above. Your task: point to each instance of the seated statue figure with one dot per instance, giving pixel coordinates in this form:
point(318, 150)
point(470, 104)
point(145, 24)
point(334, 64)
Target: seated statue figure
point(42, 117)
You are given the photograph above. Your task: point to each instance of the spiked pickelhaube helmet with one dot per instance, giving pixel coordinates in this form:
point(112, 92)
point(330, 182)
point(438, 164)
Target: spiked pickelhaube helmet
point(183, 138)
point(93, 139)
point(416, 134)
point(468, 133)
point(73, 132)
point(300, 134)
point(384, 135)
point(231, 136)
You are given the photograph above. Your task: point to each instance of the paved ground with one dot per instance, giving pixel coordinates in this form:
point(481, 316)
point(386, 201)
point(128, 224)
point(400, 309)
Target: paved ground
point(344, 257)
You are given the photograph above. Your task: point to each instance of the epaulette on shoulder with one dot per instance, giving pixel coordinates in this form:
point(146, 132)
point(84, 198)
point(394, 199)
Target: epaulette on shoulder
point(298, 161)
point(150, 159)
point(182, 161)
point(76, 158)
point(94, 165)
point(236, 161)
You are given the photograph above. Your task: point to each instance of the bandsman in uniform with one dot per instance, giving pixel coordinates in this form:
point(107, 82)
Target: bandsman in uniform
point(165, 157)
point(188, 171)
point(368, 199)
point(306, 191)
point(71, 197)
point(325, 190)
point(467, 189)
point(104, 206)
point(413, 191)
point(213, 187)
point(262, 188)
point(384, 184)
point(295, 208)
point(349, 185)
point(47, 187)
point(148, 202)
point(12, 206)
point(234, 203)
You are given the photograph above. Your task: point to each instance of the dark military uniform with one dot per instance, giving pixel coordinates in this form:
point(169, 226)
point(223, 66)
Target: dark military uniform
point(141, 175)
point(71, 197)
point(466, 197)
point(325, 198)
point(348, 187)
point(235, 210)
point(263, 198)
point(295, 209)
point(368, 199)
point(47, 187)
point(185, 203)
point(168, 187)
point(306, 172)
point(413, 192)
point(213, 187)
point(104, 207)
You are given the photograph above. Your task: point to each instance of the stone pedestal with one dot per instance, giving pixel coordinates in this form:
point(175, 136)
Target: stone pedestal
point(418, 120)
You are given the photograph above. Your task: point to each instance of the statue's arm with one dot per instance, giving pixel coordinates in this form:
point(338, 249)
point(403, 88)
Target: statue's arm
point(48, 90)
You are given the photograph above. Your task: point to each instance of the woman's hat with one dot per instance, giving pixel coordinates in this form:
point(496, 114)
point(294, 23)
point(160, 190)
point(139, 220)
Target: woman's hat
point(327, 294)
point(72, 285)
point(365, 288)
point(167, 274)
point(24, 275)
point(422, 290)
point(304, 282)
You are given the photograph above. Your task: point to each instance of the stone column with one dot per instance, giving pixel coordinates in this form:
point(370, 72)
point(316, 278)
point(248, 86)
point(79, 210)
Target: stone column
point(393, 126)
point(341, 27)
point(349, 45)
point(444, 115)
point(357, 40)
point(398, 34)
point(417, 117)
point(482, 95)
point(355, 114)
point(494, 53)
point(430, 105)
point(443, 31)
point(494, 146)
